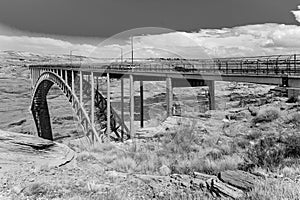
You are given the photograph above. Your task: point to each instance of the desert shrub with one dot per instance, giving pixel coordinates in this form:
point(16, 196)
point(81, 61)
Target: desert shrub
point(267, 152)
point(210, 166)
point(41, 189)
point(215, 154)
point(292, 146)
point(242, 143)
point(266, 115)
point(182, 142)
point(85, 156)
point(103, 147)
point(256, 134)
point(124, 164)
point(293, 119)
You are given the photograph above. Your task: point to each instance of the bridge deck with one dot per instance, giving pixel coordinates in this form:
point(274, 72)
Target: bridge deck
point(262, 69)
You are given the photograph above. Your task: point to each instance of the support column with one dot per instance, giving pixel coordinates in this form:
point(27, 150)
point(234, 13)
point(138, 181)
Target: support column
point(131, 84)
point(73, 87)
point(66, 77)
point(73, 81)
point(108, 105)
point(122, 107)
point(80, 87)
point(92, 103)
point(169, 96)
point(142, 104)
point(211, 95)
point(31, 76)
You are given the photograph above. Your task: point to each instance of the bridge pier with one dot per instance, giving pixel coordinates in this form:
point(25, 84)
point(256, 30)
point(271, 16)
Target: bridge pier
point(66, 77)
point(131, 88)
point(211, 95)
point(108, 106)
point(92, 103)
point(169, 96)
point(141, 104)
point(80, 87)
point(122, 107)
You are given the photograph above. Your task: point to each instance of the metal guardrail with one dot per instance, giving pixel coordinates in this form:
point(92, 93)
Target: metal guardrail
point(260, 65)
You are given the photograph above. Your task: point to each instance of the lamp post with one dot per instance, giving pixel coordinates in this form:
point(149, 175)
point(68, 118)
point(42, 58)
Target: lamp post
point(132, 50)
point(71, 55)
point(121, 54)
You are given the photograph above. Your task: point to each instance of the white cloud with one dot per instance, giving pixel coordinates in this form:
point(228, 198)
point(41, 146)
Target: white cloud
point(42, 45)
point(297, 13)
point(248, 40)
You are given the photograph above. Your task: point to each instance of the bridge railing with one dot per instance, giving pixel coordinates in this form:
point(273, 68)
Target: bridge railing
point(273, 65)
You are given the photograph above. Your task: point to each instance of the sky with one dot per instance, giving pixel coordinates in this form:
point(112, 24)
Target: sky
point(165, 28)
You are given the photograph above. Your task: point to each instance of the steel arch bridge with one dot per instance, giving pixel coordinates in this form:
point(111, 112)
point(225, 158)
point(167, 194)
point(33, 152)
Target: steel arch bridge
point(281, 70)
point(40, 111)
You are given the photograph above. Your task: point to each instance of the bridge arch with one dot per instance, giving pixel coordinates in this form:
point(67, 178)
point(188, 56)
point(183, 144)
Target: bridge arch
point(40, 111)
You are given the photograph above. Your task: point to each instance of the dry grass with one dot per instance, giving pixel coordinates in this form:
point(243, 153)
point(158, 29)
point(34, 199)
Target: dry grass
point(180, 151)
point(274, 189)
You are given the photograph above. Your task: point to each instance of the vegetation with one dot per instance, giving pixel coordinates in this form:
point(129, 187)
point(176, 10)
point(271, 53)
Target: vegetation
point(266, 115)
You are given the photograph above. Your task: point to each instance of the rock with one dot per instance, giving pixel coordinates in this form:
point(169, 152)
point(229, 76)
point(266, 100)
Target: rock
point(164, 170)
point(252, 111)
point(240, 179)
point(19, 148)
point(17, 189)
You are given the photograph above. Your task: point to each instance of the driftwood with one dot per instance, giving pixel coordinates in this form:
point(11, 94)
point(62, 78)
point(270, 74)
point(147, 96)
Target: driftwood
point(239, 179)
point(224, 190)
point(228, 184)
point(203, 177)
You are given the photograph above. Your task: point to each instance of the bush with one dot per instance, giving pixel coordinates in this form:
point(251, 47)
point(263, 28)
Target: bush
point(266, 115)
point(85, 156)
point(292, 146)
point(294, 119)
point(268, 152)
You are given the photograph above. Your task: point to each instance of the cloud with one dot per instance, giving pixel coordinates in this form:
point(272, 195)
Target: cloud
point(42, 45)
point(297, 14)
point(247, 40)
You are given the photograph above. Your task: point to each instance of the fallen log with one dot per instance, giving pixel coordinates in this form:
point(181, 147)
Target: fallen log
point(202, 176)
point(240, 179)
point(224, 190)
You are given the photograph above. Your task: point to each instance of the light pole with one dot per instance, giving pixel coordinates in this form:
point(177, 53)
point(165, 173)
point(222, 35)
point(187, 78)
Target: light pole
point(132, 50)
point(121, 54)
point(71, 55)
